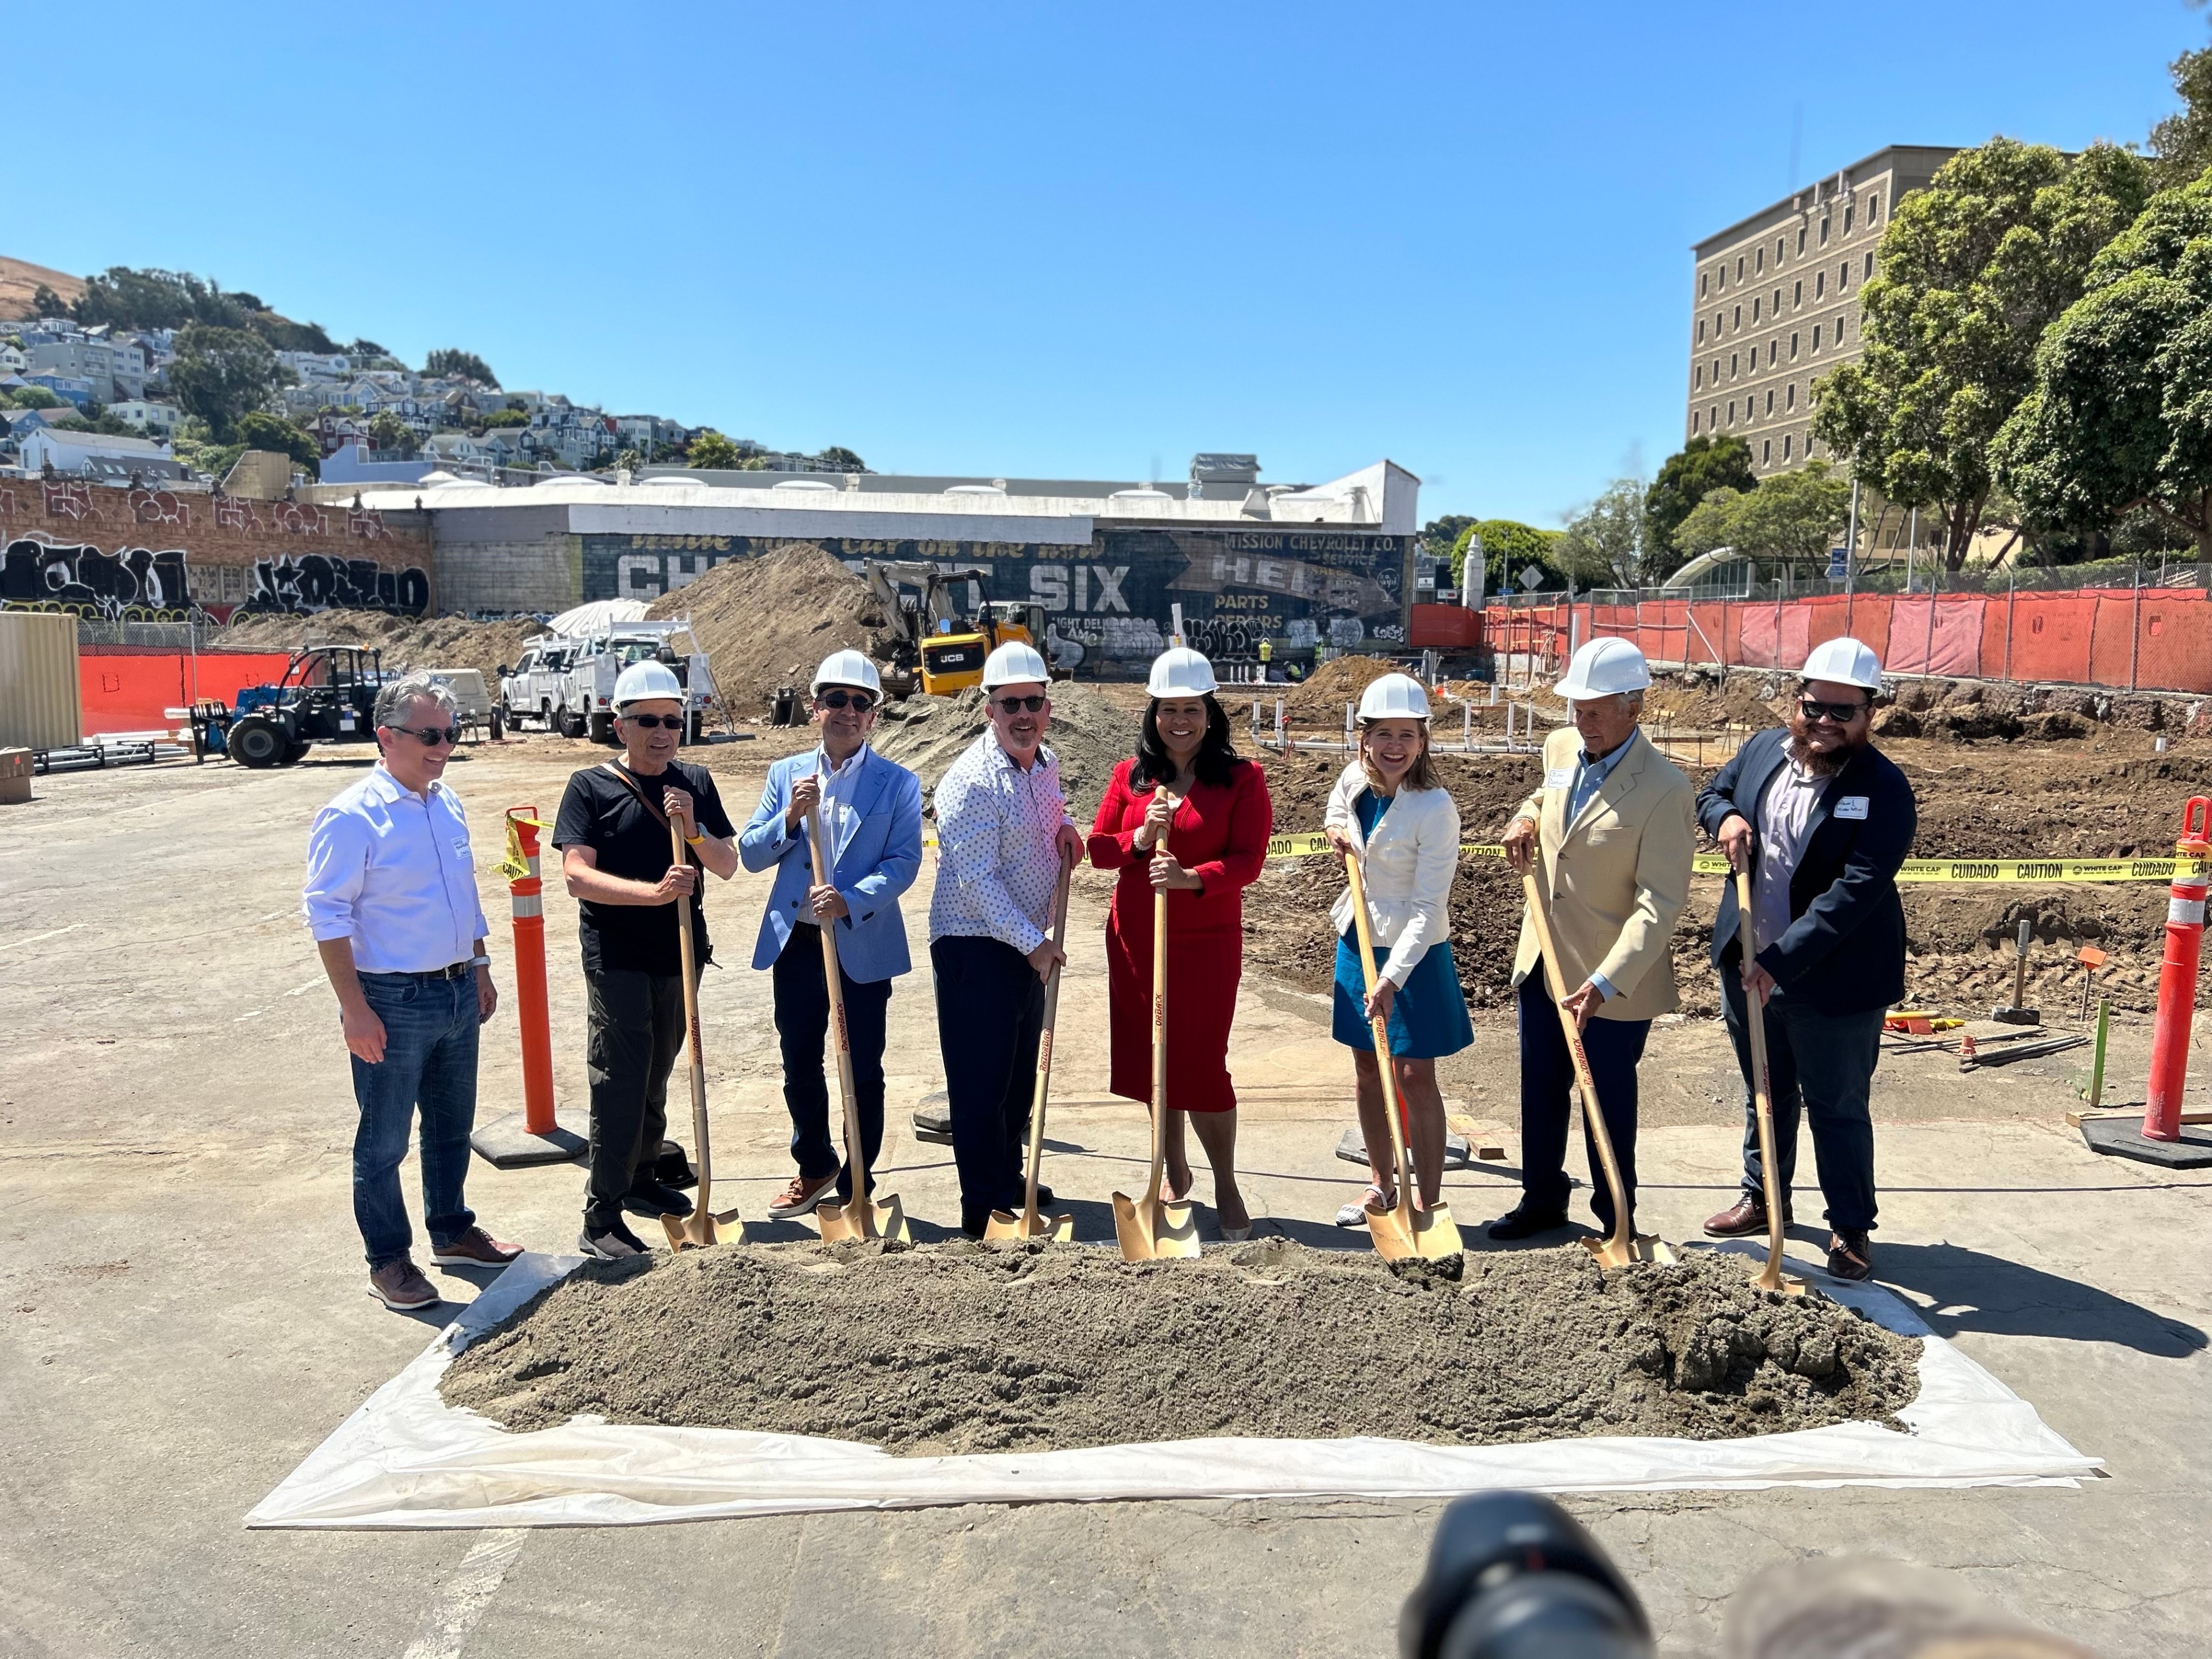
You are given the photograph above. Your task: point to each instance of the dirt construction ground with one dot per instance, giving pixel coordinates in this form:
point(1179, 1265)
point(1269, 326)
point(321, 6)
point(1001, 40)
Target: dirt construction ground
point(181, 1287)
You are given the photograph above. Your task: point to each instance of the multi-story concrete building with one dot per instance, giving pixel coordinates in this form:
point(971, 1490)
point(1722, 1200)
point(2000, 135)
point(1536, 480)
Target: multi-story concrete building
point(1775, 302)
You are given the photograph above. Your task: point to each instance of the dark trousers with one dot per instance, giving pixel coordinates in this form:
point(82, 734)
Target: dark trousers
point(1825, 1064)
point(990, 1014)
point(1547, 1084)
point(429, 1065)
point(636, 1031)
point(802, 1022)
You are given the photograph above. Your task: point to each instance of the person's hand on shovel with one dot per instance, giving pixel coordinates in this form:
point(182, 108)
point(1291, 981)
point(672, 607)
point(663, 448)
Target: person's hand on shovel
point(1381, 999)
point(1159, 819)
point(1046, 957)
point(1520, 842)
point(680, 880)
point(1735, 840)
point(677, 804)
point(1166, 876)
point(1341, 844)
point(826, 904)
point(806, 796)
point(1583, 1004)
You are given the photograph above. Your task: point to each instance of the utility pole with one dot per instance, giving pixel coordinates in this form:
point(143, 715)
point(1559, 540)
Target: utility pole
point(1850, 554)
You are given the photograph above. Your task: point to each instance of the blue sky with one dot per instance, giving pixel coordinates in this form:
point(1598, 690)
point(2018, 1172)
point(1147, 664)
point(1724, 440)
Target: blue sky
point(1049, 240)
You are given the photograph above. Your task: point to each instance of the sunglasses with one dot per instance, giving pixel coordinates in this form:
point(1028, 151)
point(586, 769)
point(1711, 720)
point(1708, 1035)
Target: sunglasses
point(655, 722)
point(858, 702)
point(1015, 705)
point(1842, 713)
point(430, 736)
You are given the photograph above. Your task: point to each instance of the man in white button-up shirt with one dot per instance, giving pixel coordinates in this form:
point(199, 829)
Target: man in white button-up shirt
point(1003, 833)
point(390, 897)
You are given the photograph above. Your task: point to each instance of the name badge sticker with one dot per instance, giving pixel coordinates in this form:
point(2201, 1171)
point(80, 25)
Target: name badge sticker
point(1560, 777)
point(1852, 806)
point(460, 846)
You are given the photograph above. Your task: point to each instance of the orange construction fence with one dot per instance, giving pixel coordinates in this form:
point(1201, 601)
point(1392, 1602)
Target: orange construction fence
point(2148, 639)
point(130, 688)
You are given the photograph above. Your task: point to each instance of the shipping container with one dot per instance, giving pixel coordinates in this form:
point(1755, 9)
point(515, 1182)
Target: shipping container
point(39, 694)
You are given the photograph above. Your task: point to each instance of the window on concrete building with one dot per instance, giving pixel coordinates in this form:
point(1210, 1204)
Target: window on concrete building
point(1766, 453)
point(1770, 400)
point(1739, 267)
point(1697, 374)
point(1754, 311)
point(1701, 331)
point(1777, 302)
point(1772, 346)
point(1789, 396)
point(1868, 269)
point(1801, 238)
point(1731, 412)
point(1874, 208)
point(1839, 330)
point(1732, 365)
point(1843, 276)
point(1693, 423)
point(1781, 245)
point(1816, 339)
point(1703, 276)
point(1793, 347)
point(1850, 209)
point(1819, 283)
point(1713, 416)
point(1785, 444)
point(1739, 316)
point(1797, 292)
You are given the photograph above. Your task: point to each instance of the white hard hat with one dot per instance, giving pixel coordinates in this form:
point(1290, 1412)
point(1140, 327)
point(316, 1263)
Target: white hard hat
point(1604, 668)
point(1847, 661)
point(643, 681)
point(847, 668)
point(1013, 664)
point(1179, 672)
point(1393, 697)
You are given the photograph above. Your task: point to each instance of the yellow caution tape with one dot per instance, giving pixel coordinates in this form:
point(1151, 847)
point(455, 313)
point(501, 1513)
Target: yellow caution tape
point(1312, 843)
point(514, 866)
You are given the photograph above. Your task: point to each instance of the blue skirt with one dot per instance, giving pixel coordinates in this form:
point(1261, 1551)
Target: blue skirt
point(1428, 1017)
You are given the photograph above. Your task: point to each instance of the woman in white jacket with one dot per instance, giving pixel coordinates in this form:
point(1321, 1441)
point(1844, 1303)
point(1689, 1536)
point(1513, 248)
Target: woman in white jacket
point(1389, 811)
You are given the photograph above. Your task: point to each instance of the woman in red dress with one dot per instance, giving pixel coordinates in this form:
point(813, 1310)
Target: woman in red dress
point(1215, 818)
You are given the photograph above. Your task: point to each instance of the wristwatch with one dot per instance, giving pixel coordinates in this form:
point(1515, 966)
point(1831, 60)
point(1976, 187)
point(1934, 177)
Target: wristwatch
point(479, 961)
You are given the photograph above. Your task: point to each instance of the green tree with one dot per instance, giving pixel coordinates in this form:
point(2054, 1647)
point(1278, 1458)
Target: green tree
point(2182, 142)
point(36, 396)
point(1972, 271)
point(841, 459)
point(1509, 547)
point(1605, 543)
point(388, 433)
point(505, 417)
point(258, 429)
point(1440, 539)
point(630, 460)
point(711, 450)
point(1709, 524)
point(96, 419)
point(451, 364)
point(1689, 475)
point(44, 302)
point(222, 373)
point(2120, 418)
point(1794, 516)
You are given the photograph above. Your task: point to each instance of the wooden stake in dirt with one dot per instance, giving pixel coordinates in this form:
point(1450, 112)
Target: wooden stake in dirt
point(860, 1217)
point(1620, 1248)
point(1770, 1277)
point(696, 1230)
point(1402, 1230)
point(1150, 1228)
point(1029, 1224)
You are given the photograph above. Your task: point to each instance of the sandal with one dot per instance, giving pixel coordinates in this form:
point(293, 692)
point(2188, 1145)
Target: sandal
point(1354, 1214)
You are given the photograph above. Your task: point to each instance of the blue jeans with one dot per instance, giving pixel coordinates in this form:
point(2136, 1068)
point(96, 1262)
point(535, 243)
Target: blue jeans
point(1823, 1063)
point(802, 1022)
point(1547, 1084)
point(429, 1060)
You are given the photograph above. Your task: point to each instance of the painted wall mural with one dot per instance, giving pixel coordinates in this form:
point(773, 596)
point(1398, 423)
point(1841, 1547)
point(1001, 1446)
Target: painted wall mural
point(133, 584)
point(1115, 598)
point(313, 582)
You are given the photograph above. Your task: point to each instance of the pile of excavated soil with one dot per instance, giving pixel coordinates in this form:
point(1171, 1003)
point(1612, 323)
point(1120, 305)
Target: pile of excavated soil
point(406, 641)
point(1317, 703)
point(1090, 733)
point(768, 622)
point(971, 1348)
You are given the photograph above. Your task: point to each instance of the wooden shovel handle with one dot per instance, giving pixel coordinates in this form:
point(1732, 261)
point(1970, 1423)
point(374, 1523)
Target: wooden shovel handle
point(1379, 1030)
point(697, 1052)
point(1592, 1114)
point(855, 1150)
point(1762, 1089)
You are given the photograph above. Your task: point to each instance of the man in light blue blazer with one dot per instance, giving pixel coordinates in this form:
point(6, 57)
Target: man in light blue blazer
point(870, 813)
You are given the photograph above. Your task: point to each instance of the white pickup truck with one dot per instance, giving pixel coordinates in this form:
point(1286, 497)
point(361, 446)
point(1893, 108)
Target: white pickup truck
point(577, 698)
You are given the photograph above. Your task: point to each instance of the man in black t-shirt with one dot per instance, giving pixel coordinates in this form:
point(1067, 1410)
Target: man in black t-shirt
point(613, 835)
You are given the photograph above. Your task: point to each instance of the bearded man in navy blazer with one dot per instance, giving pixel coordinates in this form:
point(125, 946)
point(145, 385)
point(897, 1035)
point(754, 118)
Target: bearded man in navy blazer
point(1823, 820)
point(871, 811)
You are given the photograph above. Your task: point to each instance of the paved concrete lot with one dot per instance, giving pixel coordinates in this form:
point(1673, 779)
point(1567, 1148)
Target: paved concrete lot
point(181, 1298)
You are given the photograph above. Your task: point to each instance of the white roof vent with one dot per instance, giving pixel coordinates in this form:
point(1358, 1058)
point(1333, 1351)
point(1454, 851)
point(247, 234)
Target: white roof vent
point(976, 490)
point(804, 484)
point(1140, 496)
point(665, 478)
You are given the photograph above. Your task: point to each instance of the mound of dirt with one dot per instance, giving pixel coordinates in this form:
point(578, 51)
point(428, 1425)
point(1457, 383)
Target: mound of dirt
point(1319, 702)
point(769, 621)
point(965, 1348)
point(406, 641)
point(1089, 733)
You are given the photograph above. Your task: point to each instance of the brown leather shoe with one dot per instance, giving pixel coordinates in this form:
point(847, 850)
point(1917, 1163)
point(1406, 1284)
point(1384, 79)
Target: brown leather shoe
point(801, 1196)
point(400, 1286)
point(1743, 1218)
point(474, 1248)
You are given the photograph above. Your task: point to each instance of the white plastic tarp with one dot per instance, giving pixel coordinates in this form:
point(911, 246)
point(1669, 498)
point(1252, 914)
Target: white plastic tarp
point(407, 1459)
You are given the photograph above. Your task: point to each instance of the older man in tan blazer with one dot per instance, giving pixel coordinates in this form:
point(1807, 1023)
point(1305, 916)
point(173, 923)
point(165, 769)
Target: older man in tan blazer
point(1610, 834)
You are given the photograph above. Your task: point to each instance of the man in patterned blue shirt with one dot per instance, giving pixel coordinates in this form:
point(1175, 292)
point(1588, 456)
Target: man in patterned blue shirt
point(1003, 835)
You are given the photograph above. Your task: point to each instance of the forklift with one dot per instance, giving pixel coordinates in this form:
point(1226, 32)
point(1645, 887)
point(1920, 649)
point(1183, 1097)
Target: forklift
point(935, 648)
point(327, 695)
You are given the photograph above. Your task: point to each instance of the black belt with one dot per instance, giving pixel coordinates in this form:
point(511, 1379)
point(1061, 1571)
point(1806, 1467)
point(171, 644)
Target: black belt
point(457, 970)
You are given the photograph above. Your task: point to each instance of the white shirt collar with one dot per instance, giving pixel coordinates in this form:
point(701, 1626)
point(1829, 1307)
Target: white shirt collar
point(392, 789)
point(852, 762)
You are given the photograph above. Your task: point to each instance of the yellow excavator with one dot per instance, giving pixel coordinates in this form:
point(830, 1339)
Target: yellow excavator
point(935, 646)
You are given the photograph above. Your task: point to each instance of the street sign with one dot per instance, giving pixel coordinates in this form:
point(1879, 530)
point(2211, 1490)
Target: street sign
point(1531, 578)
point(1839, 563)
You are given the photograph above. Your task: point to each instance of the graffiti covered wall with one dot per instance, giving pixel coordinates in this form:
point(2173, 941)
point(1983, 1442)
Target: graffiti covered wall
point(1295, 588)
point(161, 556)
